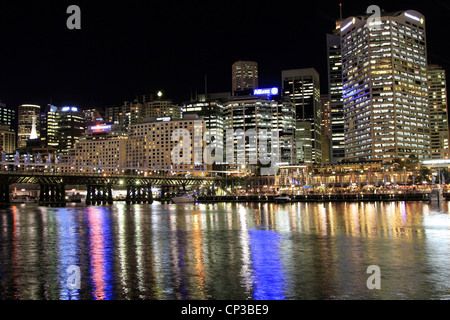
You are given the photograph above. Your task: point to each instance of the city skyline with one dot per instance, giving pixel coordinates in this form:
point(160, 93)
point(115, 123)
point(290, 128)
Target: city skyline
point(111, 59)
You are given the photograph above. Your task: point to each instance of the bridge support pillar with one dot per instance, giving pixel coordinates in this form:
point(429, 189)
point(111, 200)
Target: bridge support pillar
point(4, 194)
point(137, 194)
point(99, 195)
point(53, 195)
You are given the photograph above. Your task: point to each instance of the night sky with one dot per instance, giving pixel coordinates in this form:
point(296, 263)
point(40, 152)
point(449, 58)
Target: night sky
point(134, 47)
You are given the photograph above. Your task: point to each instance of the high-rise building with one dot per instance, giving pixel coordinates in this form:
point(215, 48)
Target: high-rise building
point(283, 121)
point(26, 114)
point(211, 111)
point(71, 127)
point(150, 144)
point(49, 127)
point(325, 127)
point(161, 108)
point(244, 76)
point(247, 119)
point(132, 113)
point(437, 100)
point(113, 114)
point(337, 144)
point(385, 90)
point(93, 117)
point(302, 87)
point(7, 140)
point(7, 117)
point(102, 149)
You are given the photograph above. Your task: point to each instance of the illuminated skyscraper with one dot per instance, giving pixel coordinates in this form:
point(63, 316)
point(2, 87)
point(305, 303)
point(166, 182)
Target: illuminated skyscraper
point(325, 128)
point(7, 117)
point(211, 111)
point(337, 143)
point(302, 87)
point(71, 127)
point(49, 127)
point(437, 93)
point(25, 120)
point(385, 90)
point(244, 76)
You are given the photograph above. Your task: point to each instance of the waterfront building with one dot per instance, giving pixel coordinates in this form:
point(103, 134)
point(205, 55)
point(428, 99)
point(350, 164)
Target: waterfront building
point(101, 150)
point(334, 66)
point(244, 76)
point(325, 128)
point(283, 121)
point(26, 114)
point(264, 114)
point(439, 125)
point(152, 144)
point(302, 87)
point(385, 90)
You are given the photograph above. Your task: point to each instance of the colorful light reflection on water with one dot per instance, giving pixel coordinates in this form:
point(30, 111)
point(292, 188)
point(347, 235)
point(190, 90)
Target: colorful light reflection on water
point(226, 251)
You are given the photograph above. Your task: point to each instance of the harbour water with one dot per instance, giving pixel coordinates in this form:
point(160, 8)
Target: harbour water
point(226, 251)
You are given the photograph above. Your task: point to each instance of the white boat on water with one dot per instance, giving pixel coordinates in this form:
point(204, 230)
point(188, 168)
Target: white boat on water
point(24, 199)
point(75, 198)
point(284, 198)
point(185, 198)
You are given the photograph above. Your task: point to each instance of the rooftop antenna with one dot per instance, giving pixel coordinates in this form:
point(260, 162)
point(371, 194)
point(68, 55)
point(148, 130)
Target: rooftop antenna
point(340, 9)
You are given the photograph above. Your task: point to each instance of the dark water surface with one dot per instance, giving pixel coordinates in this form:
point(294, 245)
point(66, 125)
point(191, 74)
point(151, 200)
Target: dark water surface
point(226, 251)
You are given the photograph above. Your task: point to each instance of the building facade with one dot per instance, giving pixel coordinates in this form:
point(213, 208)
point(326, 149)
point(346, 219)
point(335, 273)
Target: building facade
point(325, 128)
point(102, 150)
point(250, 123)
point(49, 127)
point(152, 144)
point(337, 144)
point(7, 117)
point(211, 111)
point(26, 114)
point(385, 91)
point(244, 76)
point(71, 127)
point(302, 87)
point(7, 140)
point(437, 99)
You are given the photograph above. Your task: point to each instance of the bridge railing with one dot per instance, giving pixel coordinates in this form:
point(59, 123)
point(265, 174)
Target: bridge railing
point(104, 171)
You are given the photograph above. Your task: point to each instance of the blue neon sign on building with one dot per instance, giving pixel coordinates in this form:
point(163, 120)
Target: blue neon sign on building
point(266, 92)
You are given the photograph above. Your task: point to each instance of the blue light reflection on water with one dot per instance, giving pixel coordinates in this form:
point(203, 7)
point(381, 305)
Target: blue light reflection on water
point(267, 265)
point(68, 252)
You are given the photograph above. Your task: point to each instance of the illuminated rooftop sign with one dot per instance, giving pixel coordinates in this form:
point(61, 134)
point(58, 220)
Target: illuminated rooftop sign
point(67, 109)
point(101, 128)
point(413, 17)
point(267, 92)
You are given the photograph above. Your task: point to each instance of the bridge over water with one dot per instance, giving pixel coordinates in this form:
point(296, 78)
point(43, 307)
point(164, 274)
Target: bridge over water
point(53, 179)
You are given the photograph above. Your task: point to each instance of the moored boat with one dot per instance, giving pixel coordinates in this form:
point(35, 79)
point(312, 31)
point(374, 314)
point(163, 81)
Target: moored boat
point(284, 198)
point(184, 198)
